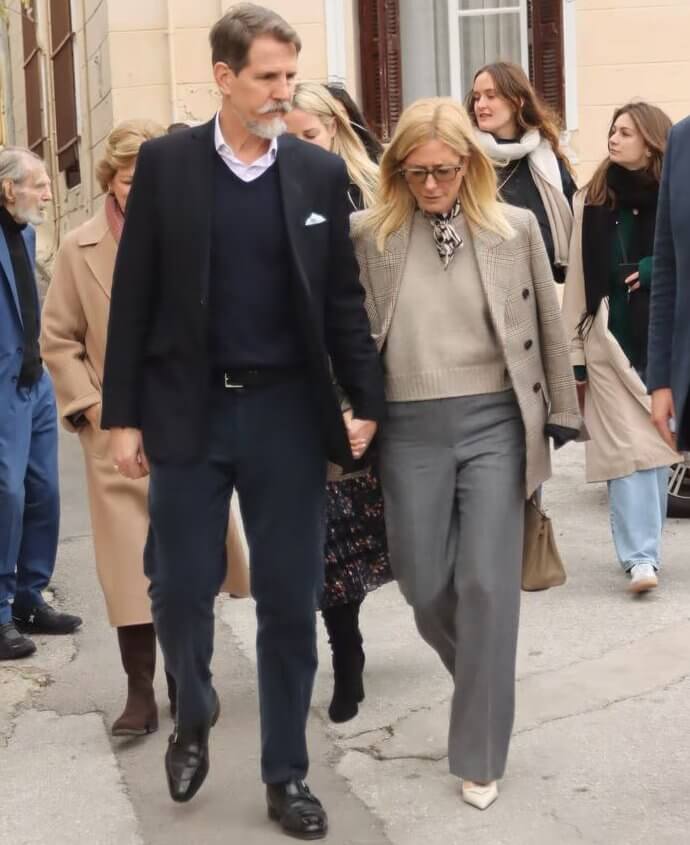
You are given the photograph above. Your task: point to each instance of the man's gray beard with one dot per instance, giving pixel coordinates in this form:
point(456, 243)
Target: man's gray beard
point(32, 216)
point(268, 130)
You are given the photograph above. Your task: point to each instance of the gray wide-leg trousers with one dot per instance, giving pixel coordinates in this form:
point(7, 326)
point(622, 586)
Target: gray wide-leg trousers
point(453, 476)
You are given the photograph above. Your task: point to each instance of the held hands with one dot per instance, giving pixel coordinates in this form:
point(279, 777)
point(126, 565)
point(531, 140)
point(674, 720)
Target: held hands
point(127, 450)
point(360, 434)
point(662, 412)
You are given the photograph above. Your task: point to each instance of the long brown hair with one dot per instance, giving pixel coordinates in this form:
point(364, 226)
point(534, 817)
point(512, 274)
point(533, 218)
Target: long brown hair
point(654, 125)
point(531, 112)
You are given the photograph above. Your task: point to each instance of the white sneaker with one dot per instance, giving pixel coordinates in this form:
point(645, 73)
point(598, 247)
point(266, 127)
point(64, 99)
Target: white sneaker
point(479, 795)
point(644, 578)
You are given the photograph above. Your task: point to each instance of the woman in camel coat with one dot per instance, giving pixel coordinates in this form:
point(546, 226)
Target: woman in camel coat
point(75, 322)
point(604, 311)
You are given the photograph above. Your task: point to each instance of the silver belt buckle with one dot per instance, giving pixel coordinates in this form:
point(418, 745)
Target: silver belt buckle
point(230, 385)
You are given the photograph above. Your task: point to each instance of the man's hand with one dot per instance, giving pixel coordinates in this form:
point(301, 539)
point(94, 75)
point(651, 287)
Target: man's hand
point(360, 434)
point(127, 450)
point(93, 415)
point(663, 411)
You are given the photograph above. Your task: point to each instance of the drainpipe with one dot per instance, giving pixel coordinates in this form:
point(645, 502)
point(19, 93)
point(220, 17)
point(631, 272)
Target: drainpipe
point(48, 89)
point(172, 70)
point(10, 136)
point(87, 122)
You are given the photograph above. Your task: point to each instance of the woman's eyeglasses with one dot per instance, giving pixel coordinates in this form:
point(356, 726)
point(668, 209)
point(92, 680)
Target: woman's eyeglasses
point(440, 173)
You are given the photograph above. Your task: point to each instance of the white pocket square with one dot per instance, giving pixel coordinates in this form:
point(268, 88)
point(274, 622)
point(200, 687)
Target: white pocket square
point(314, 219)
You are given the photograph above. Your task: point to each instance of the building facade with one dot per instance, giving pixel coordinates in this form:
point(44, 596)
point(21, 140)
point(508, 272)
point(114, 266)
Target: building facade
point(71, 69)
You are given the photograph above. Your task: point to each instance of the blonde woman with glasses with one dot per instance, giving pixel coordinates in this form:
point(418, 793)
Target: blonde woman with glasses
point(462, 304)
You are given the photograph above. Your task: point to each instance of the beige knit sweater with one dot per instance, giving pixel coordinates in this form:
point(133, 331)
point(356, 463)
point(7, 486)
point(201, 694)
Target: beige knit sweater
point(441, 341)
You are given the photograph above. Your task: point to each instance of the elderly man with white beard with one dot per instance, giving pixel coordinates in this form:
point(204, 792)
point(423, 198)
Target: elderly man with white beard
point(29, 498)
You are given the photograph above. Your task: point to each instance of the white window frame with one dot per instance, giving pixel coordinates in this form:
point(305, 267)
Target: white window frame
point(455, 13)
point(570, 64)
point(336, 41)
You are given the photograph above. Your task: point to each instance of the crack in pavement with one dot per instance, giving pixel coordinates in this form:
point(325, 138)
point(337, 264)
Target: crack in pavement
point(376, 753)
point(605, 706)
point(383, 758)
point(537, 673)
point(385, 729)
point(390, 728)
point(560, 821)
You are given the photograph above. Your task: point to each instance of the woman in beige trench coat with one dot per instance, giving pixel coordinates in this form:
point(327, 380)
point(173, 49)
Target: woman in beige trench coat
point(75, 322)
point(605, 315)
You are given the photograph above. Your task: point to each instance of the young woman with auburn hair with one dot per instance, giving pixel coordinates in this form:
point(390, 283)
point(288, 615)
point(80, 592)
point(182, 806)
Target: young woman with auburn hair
point(606, 310)
point(520, 134)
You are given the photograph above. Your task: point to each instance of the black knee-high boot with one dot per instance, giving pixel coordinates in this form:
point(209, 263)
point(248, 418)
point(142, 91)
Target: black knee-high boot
point(342, 624)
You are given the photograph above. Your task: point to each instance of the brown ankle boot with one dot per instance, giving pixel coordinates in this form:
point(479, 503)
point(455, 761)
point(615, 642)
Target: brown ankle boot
point(138, 652)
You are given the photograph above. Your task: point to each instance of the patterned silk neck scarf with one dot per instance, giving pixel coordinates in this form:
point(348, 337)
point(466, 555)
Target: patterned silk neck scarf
point(446, 238)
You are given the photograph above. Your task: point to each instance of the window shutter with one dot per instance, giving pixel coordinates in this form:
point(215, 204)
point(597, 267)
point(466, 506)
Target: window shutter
point(62, 55)
point(379, 42)
point(546, 51)
point(32, 81)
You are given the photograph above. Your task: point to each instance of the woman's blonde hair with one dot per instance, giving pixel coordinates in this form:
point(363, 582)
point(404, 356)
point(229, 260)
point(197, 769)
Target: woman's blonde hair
point(122, 147)
point(317, 100)
point(435, 119)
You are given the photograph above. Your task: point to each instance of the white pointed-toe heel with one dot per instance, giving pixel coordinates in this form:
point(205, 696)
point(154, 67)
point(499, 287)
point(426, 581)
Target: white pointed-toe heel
point(479, 795)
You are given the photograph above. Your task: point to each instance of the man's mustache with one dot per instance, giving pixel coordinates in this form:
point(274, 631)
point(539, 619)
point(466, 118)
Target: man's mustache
point(276, 107)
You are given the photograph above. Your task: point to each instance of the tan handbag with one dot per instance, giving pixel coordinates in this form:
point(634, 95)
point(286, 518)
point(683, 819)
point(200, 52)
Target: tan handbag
point(542, 566)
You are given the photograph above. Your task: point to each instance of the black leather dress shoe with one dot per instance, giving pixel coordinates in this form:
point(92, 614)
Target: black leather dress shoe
point(14, 645)
point(187, 759)
point(299, 812)
point(44, 619)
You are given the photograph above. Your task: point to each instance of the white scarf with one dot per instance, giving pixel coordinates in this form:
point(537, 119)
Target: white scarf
point(543, 165)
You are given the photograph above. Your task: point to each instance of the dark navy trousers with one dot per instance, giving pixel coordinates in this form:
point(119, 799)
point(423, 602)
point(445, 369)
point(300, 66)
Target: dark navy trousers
point(264, 442)
point(29, 495)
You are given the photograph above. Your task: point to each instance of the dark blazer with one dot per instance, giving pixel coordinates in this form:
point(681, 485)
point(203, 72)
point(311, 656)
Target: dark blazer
point(11, 330)
point(157, 370)
point(668, 355)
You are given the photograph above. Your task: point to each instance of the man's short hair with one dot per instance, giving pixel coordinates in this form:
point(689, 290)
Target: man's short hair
point(232, 36)
point(15, 165)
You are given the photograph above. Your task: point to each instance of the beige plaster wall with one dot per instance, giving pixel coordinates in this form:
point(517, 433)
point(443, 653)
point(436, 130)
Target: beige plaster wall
point(139, 58)
point(160, 56)
point(628, 49)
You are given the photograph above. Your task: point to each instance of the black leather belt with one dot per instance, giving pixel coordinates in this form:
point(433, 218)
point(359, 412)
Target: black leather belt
point(241, 378)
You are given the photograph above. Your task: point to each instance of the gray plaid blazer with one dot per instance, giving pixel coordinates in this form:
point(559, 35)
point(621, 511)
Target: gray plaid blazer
point(521, 296)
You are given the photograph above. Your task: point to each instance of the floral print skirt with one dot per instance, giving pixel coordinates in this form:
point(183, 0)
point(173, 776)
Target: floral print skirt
point(356, 548)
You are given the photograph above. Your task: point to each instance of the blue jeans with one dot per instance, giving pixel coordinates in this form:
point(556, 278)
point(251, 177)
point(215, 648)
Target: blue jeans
point(29, 498)
point(637, 506)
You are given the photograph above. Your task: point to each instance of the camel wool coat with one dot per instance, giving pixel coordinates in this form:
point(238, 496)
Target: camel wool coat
point(73, 339)
point(622, 439)
point(521, 295)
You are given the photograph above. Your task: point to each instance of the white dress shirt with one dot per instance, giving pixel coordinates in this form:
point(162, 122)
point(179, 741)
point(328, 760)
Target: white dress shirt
point(243, 171)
